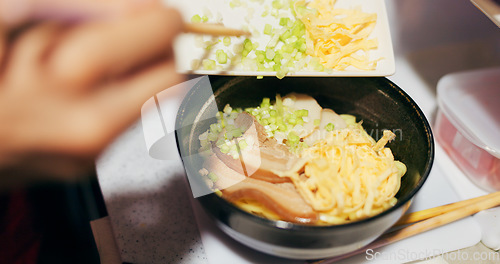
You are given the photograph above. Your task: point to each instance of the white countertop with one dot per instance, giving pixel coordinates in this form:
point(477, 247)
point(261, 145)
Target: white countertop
point(147, 199)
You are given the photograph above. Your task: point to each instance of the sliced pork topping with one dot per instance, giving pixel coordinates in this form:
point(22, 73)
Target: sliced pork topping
point(263, 156)
point(282, 199)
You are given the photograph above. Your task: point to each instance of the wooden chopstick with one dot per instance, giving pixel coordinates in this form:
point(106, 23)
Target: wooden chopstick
point(489, 8)
point(3, 43)
point(432, 212)
point(489, 201)
point(214, 30)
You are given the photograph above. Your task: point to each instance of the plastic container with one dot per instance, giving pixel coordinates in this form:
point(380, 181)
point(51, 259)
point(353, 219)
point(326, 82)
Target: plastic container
point(468, 124)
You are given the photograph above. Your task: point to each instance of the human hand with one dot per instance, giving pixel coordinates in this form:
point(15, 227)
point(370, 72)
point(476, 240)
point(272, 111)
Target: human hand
point(15, 12)
point(66, 91)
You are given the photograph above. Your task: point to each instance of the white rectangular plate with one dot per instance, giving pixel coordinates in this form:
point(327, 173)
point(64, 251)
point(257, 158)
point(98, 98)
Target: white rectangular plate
point(187, 50)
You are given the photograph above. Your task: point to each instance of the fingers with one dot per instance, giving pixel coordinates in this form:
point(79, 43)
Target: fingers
point(16, 12)
point(89, 126)
point(118, 106)
point(12, 12)
point(113, 47)
point(136, 90)
point(3, 43)
point(28, 51)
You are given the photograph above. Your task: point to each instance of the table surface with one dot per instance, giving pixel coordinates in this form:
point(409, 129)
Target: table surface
point(148, 201)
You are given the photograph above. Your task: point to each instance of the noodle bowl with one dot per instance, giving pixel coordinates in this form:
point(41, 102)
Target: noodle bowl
point(378, 102)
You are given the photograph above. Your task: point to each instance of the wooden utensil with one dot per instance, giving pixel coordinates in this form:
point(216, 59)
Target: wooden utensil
point(432, 212)
point(491, 8)
point(214, 30)
point(433, 218)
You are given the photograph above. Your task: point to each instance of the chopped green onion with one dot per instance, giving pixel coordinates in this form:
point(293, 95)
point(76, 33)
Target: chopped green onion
point(261, 56)
point(329, 127)
point(224, 148)
point(266, 102)
point(349, 119)
point(209, 44)
point(303, 48)
point(285, 35)
point(214, 128)
point(242, 144)
point(298, 44)
point(277, 58)
point(235, 3)
point(281, 73)
point(212, 177)
point(293, 137)
point(208, 64)
point(227, 109)
point(268, 29)
point(223, 122)
point(226, 41)
point(228, 136)
point(236, 133)
point(245, 42)
point(238, 48)
point(298, 56)
point(287, 48)
point(274, 41)
point(276, 4)
point(304, 112)
point(234, 148)
point(221, 56)
point(248, 46)
point(274, 13)
point(270, 54)
point(319, 68)
point(279, 105)
point(196, 19)
point(212, 136)
point(303, 11)
point(284, 21)
point(291, 40)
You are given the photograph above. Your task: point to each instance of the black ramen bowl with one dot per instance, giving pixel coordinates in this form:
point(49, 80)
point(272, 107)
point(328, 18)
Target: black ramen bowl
point(377, 101)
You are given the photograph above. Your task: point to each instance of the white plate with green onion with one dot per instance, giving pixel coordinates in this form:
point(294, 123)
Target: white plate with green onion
point(289, 38)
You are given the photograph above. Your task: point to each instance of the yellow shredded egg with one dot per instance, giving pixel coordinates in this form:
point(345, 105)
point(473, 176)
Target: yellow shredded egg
point(338, 37)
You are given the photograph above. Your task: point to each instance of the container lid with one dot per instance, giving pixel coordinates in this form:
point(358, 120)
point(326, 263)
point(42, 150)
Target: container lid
point(471, 101)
